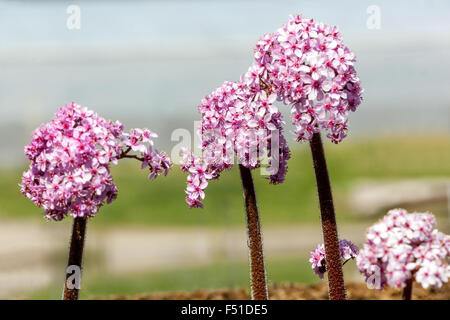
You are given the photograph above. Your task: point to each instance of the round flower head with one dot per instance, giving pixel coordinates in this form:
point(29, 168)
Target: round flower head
point(70, 159)
point(309, 68)
point(403, 246)
point(317, 256)
point(237, 119)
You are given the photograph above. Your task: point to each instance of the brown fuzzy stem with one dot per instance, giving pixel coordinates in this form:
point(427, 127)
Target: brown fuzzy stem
point(75, 259)
point(407, 291)
point(336, 284)
point(256, 256)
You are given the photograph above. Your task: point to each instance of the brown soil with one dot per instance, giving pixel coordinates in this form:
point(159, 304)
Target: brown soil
point(295, 291)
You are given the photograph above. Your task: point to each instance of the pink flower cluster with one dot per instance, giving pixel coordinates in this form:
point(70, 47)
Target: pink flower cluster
point(236, 119)
point(70, 159)
point(405, 246)
point(303, 64)
point(317, 256)
point(309, 68)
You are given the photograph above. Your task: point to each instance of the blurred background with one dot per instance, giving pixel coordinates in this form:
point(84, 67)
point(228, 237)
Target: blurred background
point(148, 64)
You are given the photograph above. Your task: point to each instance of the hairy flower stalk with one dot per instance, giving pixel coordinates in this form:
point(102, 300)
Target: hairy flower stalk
point(336, 285)
point(238, 119)
point(69, 171)
point(70, 291)
point(256, 253)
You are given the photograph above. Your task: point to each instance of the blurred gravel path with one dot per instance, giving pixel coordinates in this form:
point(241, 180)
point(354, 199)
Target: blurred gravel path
point(34, 253)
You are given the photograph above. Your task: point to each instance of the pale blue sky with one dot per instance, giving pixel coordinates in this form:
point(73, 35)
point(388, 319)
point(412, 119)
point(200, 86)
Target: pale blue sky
point(149, 63)
point(43, 22)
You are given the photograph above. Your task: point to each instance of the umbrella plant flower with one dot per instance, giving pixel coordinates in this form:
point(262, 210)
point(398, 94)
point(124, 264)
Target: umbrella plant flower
point(307, 65)
point(237, 120)
point(310, 69)
point(402, 248)
point(69, 170)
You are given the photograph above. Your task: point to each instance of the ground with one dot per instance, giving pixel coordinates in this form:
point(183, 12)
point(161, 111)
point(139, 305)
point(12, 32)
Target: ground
point(295, 291)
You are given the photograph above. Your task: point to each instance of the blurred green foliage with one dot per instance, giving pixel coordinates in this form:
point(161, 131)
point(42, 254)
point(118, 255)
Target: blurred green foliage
point(161, 202)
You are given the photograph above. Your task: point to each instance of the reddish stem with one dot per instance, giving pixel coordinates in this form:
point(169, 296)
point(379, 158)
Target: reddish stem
point(75, 257)
point(336, 285)
point(132, 157)
point(407, 290)
point(256, 254)
point(125, 154)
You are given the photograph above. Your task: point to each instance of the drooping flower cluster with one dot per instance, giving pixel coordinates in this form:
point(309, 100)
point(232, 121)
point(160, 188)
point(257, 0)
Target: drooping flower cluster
point(317, 256)
point(70, 159)
point(405, 246)
point(309, 68)
point(237, 119)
